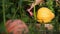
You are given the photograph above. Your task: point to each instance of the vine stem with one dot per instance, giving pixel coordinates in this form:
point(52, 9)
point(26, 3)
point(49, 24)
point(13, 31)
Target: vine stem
point(3, 3)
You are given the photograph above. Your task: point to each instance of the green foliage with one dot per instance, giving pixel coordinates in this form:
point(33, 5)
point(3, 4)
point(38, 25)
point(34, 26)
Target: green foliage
point(16, 9)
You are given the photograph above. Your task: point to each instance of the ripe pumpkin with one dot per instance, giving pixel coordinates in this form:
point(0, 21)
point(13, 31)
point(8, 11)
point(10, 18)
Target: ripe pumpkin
point(16, 27)
point(44, 15)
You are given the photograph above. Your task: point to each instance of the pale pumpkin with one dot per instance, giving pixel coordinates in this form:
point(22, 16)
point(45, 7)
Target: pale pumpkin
point(44, 15)
point(47, 26)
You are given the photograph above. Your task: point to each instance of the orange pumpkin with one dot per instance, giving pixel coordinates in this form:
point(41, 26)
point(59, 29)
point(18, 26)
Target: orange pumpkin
point(16, 26)
point(44, 15)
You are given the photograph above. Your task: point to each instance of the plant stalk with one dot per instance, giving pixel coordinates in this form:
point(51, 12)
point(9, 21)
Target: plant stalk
point(4, 20)
point(34, 14)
